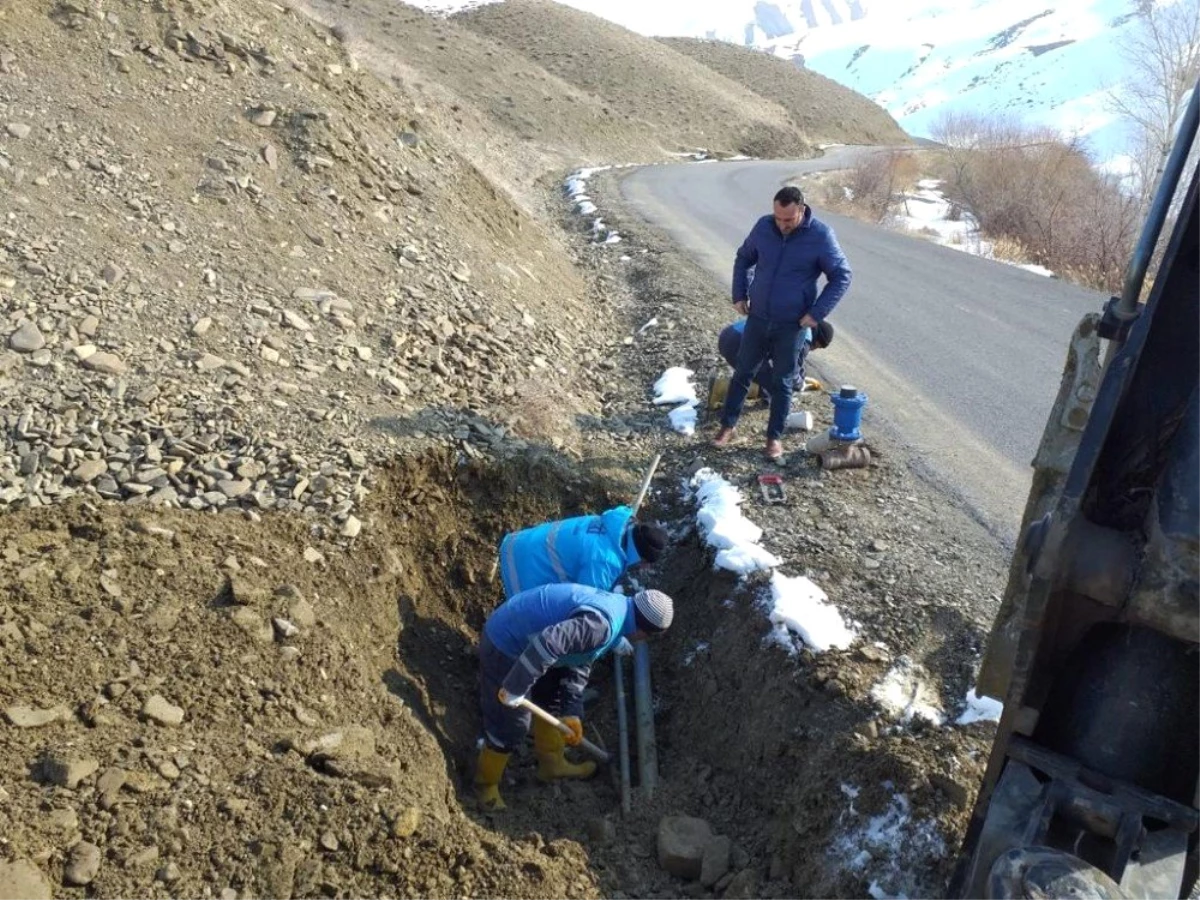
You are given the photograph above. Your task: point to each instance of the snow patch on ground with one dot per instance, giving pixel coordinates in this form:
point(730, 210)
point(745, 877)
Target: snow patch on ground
point(979, 709)
point(449, 7)
point(799, 607)
point(683, 419)
point(905, 694)
point(725, 528)
point(796, 607)
point(927, 212)
point(675, 386)
point(892, 843)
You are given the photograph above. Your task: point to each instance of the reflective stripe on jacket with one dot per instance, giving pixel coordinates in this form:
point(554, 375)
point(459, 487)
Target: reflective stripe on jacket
point(590, 550)
point(522, 618)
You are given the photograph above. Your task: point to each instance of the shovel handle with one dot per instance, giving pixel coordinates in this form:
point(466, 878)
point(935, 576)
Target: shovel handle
point(646, 484)
point(586, 745)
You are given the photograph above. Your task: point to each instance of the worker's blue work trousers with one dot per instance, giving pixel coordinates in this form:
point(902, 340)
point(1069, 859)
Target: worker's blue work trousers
point(777, 343)
point(559, 692)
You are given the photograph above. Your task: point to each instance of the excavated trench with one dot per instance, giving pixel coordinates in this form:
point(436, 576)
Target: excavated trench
point(330, 713)
point(757, 742)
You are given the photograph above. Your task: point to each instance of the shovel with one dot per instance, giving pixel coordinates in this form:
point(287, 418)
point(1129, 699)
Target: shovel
point(585, 745)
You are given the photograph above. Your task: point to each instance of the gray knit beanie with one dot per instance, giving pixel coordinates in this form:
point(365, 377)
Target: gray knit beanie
point(654, 609)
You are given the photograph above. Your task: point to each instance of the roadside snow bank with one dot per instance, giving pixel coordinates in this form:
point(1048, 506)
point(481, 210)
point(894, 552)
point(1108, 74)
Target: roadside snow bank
point(575, 187)
point(725, 528)
point(927, 211)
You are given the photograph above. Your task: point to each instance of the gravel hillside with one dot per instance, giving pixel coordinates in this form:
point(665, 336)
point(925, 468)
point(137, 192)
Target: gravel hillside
point(641, 80)
point(824, 110)
point(234, 269)
point(507, 114)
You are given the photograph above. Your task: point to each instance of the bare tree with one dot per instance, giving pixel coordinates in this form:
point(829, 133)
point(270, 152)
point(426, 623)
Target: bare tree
point(1162, 57)
point(1032, 188)
point(875, 180)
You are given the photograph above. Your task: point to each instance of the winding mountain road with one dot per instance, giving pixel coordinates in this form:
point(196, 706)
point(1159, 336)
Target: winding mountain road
point(961, 356)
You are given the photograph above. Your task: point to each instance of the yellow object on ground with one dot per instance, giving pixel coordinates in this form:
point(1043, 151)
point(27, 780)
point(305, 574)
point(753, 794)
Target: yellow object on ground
point(488, 772)
point(549, 746)
point(718, 388)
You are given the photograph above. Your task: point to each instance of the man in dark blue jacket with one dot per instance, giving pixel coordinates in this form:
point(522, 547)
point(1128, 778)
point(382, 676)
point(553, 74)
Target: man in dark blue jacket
point(788, 251)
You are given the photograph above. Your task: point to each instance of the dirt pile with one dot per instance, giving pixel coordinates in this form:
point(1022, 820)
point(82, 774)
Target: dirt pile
point(824, 110)
point(641, 80)
point(249, 711)
point(234, 270)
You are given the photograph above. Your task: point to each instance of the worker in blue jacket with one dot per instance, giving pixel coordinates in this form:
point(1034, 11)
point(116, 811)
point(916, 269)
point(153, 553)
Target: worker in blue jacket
point(541, 644)
point(591, 550)
point(789, 251)
point(729, 344)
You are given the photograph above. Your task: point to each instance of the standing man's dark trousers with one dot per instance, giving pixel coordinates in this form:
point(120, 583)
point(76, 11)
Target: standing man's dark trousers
point(729, 343)
point(776, 343)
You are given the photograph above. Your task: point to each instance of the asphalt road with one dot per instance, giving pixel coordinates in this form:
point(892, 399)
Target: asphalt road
point(961, 356)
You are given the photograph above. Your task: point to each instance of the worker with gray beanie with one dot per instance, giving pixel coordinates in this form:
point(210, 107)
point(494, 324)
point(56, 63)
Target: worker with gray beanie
point(540, 645)
point(589, 550)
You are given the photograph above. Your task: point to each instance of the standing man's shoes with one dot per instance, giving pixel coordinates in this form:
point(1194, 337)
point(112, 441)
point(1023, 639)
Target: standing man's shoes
point(774, 449)
point(724, 437)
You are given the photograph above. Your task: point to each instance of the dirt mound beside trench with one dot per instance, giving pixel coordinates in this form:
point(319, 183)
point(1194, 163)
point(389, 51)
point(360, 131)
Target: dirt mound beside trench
point(222, 707)
point(235, 270)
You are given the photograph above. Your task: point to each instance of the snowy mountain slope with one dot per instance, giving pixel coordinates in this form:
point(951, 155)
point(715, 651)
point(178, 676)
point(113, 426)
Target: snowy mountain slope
point(1047, 61)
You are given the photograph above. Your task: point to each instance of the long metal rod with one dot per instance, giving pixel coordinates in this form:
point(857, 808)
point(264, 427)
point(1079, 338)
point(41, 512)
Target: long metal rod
point(646, 483)
point(643, 706)
point(1135, 277)
point(622, 733)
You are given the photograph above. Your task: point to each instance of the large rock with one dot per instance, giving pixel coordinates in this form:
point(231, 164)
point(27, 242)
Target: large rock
point(743, 886)
point(83, 862)
point(27, 338)
point(682, 841)
point(715, 863)
point(105, 363)
point(29, 717)
point(22, 880)
point(157, 709)
point(67, 770)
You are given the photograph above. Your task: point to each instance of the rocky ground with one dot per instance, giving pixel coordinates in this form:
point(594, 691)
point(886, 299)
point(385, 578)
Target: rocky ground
point(781, 734)
point(280, 366)
point(235, 270)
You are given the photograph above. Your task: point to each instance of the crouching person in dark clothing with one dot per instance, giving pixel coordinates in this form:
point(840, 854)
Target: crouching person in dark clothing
point(541, 644)
point(729, 344)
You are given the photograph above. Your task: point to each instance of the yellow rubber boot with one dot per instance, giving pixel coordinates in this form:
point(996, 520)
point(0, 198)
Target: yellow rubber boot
point(488, 771)
point(549, 746)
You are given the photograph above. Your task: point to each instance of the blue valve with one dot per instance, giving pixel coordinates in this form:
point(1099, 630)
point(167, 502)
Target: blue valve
point(848, 405)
